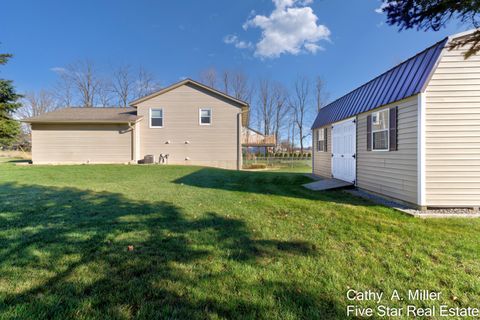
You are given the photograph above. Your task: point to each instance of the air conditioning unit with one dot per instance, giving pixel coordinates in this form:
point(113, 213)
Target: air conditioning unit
point(149, 158)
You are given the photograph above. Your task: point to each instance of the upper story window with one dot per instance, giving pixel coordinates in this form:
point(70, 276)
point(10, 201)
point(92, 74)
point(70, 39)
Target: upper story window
point(380, 128)
point(205, 116)
point(156, 118)
point(320, 139)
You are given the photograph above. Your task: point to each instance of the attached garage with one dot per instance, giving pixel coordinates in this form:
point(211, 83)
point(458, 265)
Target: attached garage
point(81, 143)
point(84, 135)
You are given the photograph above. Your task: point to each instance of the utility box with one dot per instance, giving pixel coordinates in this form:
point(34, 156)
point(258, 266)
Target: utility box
point(148, 159)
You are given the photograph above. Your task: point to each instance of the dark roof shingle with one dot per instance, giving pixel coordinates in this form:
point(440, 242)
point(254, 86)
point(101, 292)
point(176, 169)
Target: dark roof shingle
point(402, 81)
point(87, 115)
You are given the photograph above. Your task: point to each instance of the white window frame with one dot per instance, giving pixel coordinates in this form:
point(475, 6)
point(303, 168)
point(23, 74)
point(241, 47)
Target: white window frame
point(150, 118)
point(321, 132)
point(200, 116)
point(387, 129)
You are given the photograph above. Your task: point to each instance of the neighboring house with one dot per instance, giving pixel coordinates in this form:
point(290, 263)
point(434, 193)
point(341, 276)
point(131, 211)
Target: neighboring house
point(253, 138)
point(412, 133)
point(192, 123)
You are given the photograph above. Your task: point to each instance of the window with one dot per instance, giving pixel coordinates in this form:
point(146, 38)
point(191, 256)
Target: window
point(320, 140)
point(380, 128)
point(156, 118)
point(205, 116)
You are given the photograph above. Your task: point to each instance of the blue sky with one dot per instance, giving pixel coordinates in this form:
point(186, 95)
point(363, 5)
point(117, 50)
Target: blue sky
point(177, 39)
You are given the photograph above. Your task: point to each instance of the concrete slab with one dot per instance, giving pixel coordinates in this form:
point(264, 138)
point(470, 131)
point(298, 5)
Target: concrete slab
point(327, 184)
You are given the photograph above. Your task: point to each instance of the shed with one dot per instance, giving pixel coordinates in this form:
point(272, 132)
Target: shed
point(412, 133)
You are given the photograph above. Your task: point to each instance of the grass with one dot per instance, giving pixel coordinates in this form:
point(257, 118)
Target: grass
point(279, 164)
point(5, 154)
point(212, 244)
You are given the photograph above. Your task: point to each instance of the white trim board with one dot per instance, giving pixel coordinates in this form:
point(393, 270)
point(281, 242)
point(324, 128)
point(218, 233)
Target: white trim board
point(421, 167)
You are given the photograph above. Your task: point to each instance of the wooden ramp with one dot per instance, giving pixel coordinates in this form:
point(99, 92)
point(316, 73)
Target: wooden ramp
point(327, 184)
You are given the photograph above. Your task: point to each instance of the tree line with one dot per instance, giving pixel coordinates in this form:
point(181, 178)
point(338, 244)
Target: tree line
point(276, 109)
point(283, 110)
point(83, 84)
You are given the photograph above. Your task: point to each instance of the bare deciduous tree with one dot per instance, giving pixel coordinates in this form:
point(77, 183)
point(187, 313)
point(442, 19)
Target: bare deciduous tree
point(280, 96)
point(145, 84)
point(64, 91)
point(37, 103)
point(321, 95)
point(84, 79)
point(266, 102)
point(105, 93)
point(209, 77)
point(226, 81)
point(240, 87)
point(300, 106)
point(123, 84)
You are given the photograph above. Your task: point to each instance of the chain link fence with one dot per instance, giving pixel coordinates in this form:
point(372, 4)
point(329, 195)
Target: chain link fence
point(276, 162)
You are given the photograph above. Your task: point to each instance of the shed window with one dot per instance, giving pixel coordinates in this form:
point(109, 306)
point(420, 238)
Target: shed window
point(156, 118)
point(380, 128)
point(205, 116)
point(320, 140)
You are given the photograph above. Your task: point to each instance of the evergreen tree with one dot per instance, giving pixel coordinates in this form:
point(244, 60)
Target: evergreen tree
point(9, 127)
point(434, 14)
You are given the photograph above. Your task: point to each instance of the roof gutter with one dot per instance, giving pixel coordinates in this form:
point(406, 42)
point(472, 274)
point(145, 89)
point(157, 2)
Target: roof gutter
point(82, 121)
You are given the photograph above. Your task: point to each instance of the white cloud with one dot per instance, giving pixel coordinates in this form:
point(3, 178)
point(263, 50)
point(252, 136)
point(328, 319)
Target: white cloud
point(291, 28)
point(58, 70)
point(312, 47)
point(240, 44)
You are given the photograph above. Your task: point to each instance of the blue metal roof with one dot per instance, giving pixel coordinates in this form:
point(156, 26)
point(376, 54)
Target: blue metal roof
point(405, 80)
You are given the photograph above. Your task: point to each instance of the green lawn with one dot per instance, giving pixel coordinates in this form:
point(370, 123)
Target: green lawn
point(212, 244)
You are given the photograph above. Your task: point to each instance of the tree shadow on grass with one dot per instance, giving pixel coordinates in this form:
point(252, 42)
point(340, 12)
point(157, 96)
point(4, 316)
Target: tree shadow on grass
point(63, 254)
point(266, 183)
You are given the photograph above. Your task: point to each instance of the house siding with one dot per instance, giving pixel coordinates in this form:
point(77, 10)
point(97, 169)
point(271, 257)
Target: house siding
point(322, 161)
point(81, 143)
point(215, 145)
point(391, 173)
point(452, 136)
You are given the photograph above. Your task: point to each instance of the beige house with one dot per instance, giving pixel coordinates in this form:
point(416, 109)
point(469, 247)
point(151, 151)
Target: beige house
point(185, 123)
point(412, 133)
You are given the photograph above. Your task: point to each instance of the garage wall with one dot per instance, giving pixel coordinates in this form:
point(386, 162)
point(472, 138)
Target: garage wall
point(322, 161)
point(391, 173)
point(452, 134)
point(213, 145)
point(81, 143)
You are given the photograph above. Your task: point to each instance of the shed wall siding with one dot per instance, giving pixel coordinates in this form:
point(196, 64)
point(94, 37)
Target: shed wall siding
point(213, 145)
point(81, 143)
point(453, 132)
point(391, 173)
point(322, 161)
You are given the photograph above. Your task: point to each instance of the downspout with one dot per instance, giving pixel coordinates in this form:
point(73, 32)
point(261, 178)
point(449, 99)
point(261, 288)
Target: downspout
point(239, 138)
point(135, 139)
point(133, 149)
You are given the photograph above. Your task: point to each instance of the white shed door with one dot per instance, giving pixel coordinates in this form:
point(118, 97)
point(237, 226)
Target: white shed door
point(343, 150)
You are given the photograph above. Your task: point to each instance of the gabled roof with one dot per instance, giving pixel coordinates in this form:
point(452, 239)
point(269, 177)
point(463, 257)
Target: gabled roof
point(402, 81)
point(241, 104)
point(193, 82)
point(87, 115)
